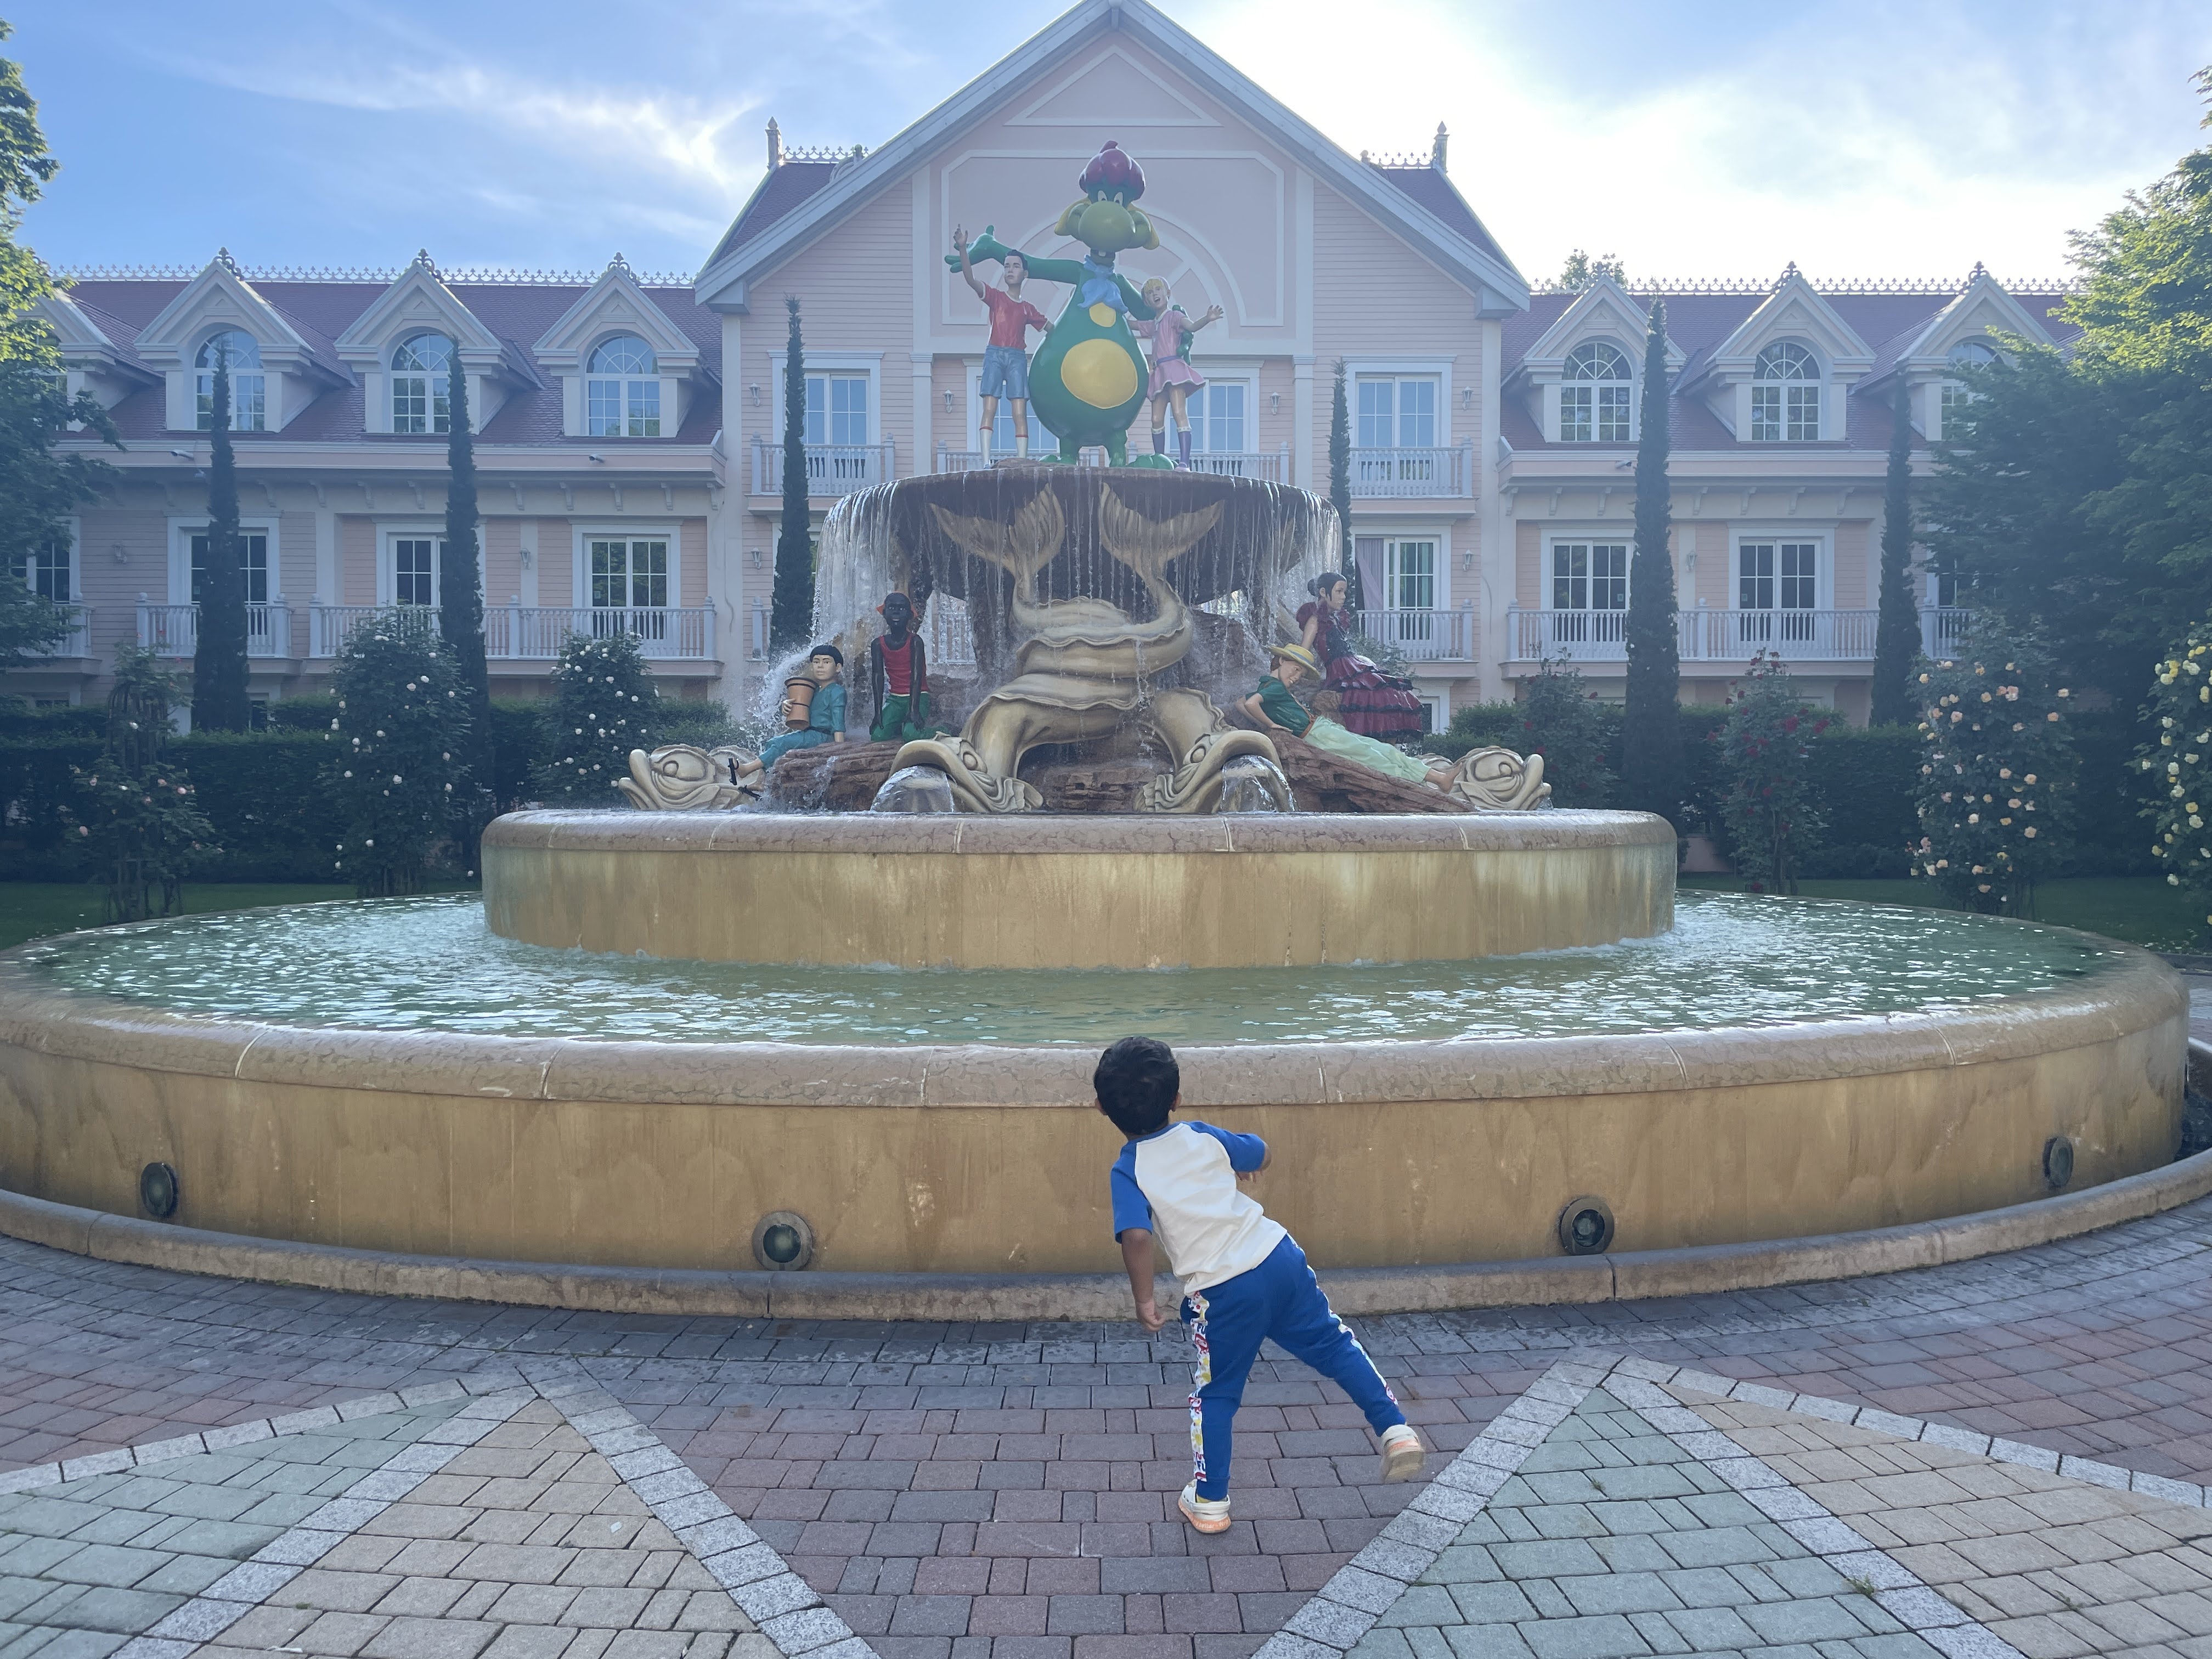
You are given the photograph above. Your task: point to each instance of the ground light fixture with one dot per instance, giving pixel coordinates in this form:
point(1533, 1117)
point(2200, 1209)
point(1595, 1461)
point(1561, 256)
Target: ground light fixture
point(783, 1242)
point(2057, 1161)
point(1586, 1226)
point(157, 1190)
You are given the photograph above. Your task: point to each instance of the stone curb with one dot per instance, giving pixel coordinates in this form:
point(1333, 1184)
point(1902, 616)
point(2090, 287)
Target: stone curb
point(1021, 1298)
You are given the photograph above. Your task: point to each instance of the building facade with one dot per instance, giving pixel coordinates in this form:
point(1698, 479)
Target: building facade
point(629, 429)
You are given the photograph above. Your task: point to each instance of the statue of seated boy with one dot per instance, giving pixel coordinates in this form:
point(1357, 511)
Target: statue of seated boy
point(898, 676)
point(825, 715)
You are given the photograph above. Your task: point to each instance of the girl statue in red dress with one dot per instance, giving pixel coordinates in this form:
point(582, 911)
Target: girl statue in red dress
point(1375, 704)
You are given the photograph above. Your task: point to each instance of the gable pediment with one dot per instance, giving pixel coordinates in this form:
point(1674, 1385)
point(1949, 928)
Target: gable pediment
point(1112, 91)
point(418, 302)
point(615, 304)
point(1603, 310)
point(219, 298)
point(1793, 311)
point(1982, 309)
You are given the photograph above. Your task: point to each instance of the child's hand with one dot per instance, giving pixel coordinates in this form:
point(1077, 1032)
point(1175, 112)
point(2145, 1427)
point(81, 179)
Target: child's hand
point(1246, 1176)
point(1148, 1315)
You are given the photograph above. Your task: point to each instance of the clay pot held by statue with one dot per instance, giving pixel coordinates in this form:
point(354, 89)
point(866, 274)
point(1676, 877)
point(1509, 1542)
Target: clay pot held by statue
point(797, 702)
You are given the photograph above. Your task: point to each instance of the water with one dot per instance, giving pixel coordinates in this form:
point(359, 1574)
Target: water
point(431, 964)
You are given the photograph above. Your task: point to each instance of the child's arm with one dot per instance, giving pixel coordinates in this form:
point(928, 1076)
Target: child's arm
point(967, 264)
point(1137, 1257)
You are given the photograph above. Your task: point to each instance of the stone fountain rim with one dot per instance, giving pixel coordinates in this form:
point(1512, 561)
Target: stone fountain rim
point(627, 829)
point(2132, 991)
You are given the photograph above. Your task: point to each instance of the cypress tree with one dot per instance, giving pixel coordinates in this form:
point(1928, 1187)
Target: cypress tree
point(790, 610)
point(219, 699)
point(1340, 485)
point(460, 603)
point(1897, 629)
point(1651, 729)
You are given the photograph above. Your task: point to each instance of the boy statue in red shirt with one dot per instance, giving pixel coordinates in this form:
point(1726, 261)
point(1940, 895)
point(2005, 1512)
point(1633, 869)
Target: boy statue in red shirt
point(898, 675)
point(1006, 359)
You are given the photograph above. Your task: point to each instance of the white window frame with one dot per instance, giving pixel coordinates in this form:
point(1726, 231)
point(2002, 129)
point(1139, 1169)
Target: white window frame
point(1569, 384)
point(182, 528)
point(1824, 583)
point(1250, 386)
point(270, 419)
point(1403, 368)
point(74, 534)
point(1561, 541)
point(628, 386)
point(391, 531)
point(586, 534)
point(1814, 389)
point(436, 425)
point(870, 364)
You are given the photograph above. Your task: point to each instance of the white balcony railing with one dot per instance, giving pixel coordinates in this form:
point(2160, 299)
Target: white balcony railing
point(536, 632)
point(1423, 635)
point(1725, 636)
point(1428, 473)
point(77, 642)
point(832, 469)
point(1943, 630)
point(173, 629)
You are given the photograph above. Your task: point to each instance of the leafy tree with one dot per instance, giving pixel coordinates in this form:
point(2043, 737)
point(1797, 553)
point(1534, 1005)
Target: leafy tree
point(1651, 758)
point(1998, 766)
point(38, 489)
point(1340, 485)
point(220, 702)
point(2077, 492)
point(135, 810)
point(461, 611)
point(604, 704)
point(2181, 764)
point(791, 607)
point(1561, 720)
point(403, 725)
point(1769, 794)
point(1897, 626)
point(1581, 270)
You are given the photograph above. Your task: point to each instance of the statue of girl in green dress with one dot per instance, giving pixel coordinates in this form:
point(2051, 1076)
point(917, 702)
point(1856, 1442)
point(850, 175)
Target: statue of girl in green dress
point(1277, 709)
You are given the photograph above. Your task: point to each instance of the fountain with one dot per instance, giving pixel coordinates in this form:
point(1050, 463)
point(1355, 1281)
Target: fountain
point(727, 1031)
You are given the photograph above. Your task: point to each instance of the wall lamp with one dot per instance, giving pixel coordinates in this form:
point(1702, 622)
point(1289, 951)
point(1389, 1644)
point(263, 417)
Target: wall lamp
point(120, 553)
point(1466, 396)
point(1274, 403)
point(948, 400)
point(752, 393)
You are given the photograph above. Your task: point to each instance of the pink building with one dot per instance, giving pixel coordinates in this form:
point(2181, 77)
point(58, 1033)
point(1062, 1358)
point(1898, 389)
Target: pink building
point(630, 429)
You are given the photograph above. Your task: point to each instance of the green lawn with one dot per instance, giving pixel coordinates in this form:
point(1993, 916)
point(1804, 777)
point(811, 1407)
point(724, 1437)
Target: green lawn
point(32, 909)
point(2141, 910)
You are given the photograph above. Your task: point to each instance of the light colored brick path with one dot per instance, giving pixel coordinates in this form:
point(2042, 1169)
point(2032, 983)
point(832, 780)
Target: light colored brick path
point(963, 1491)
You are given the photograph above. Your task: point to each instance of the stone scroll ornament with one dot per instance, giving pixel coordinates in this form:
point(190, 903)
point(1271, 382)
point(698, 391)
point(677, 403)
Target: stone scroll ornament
point(1500, 780)
point(1083, 666)
point(1087, 382)
point(681, 778)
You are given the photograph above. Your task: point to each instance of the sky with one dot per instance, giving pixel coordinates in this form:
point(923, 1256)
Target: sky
point(1859, 138)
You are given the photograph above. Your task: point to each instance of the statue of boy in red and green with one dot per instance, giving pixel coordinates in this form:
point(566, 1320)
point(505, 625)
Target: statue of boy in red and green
point(898, 676)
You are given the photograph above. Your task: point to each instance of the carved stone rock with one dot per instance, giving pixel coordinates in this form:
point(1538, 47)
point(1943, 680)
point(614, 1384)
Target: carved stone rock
point(843, 777)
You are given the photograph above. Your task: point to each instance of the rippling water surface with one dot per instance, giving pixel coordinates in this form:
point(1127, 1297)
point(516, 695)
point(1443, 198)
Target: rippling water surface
point(431, 964)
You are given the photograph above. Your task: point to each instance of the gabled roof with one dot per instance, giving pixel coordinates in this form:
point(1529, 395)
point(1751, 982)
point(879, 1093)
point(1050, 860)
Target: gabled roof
point(1431, 188)
point(1981, 306)
point(418, 298)
point(615, 301)
point(746, 252)
point(1795, 308)
point(90, 338)
point(788, 184)
point(220, 298)
point(1603, 308)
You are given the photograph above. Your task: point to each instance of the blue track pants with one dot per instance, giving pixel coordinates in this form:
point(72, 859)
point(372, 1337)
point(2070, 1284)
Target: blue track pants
point(1279, 1299)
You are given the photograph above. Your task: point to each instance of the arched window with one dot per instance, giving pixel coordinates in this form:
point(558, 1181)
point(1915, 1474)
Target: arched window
point(1785, 395)
point(422, 385)
point(1971, 354)
point(1595, 401)
point(622, 390)
point(249, 395)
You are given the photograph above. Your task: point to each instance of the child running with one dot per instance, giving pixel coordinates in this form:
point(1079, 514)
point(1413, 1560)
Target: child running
point(1245, 1278)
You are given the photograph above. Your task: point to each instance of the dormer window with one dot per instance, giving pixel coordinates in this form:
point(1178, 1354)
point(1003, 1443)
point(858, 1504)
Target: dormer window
point(1596, 397)
point(1970, 354)
point(249, 388)
point(622, 390)
point(1785, 395)
point(422, 385)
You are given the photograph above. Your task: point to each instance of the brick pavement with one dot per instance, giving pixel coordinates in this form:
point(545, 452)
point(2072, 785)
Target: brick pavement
point(950, 1486)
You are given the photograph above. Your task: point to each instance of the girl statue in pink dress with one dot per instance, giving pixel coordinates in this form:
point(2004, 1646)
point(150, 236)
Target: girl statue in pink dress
point(1170, 330)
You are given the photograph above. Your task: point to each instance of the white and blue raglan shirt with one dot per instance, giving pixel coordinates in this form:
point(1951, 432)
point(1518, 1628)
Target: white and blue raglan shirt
point(1180, 1184)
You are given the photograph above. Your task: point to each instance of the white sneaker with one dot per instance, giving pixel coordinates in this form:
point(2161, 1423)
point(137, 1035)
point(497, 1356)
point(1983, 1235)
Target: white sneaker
point(1402, 1454)
point(1206, 1514)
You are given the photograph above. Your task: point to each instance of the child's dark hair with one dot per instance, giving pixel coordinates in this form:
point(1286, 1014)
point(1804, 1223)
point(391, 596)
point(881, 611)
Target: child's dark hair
point(1136, 1084)
point(826, 649)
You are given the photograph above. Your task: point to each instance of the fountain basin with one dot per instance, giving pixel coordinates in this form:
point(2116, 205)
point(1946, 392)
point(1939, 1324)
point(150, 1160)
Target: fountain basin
point(1090, 891)
point(937, 1155)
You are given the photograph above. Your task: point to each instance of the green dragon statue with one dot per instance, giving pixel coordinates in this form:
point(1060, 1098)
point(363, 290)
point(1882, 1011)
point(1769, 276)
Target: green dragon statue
point(1087, 382)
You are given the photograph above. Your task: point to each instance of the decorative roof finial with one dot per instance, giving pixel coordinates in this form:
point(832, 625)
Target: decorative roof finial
point(1789, 273)
point(223, 257)
point(1976, 275)
point(1437, 156)
point(775, 144)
